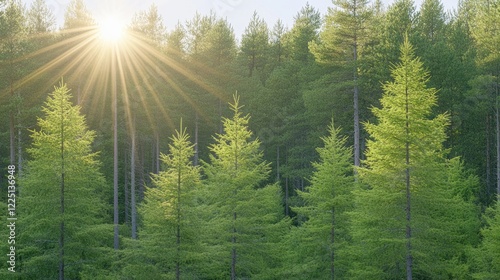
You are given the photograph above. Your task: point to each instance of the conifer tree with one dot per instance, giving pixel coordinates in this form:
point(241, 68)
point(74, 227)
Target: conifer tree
point(62, 218)
point(244, 216)
point(319, 244)
point(168, 237)
point(410, 208)
point(345, 32)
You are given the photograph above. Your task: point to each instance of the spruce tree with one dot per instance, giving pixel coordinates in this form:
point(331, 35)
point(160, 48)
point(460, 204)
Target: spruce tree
point(62, 211)
point(243, 215)
point(168, 236)
point(410, 208)
point(320, 243)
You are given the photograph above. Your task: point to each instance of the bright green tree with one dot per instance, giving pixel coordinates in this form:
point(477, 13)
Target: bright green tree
point(62, 211)
point(320, 243)
point(169, 229)
point(243, 216)
point(411, 220)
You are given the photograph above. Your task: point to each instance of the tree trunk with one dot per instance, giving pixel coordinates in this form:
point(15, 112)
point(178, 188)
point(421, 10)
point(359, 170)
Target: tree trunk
point(488, 158)
point(61, 229)
point(177, 261)
point(132, 182)
point(196, 152)
point(126, 191)
point(409, 258)
point(115, 155)
point(233, 251)
point(497, 113)
point(356, 98)
point(332, 243)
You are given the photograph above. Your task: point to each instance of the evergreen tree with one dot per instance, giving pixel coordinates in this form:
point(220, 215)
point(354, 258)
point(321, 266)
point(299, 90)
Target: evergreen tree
point(40, 18)
point(411, 207)
point(77, 16)
point(342, 39)
point(244, 217)
point(62, 210)
point(168, 236)
point(320, 243)
point(255, 43)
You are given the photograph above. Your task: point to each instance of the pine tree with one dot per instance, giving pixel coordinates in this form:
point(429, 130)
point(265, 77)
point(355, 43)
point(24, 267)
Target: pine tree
point(62, 197)
point(255, 43)
point(342, 39)
point(410, 207)
point(244, 216)
point(320, 243)
point(168, 236)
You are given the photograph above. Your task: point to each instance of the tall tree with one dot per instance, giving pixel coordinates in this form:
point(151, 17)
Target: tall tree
point(486, 31)
point(342, 38)
point(411, 205)
point(245, 214)
point(40, 18)
point(63, 213)
point(169, 207)
point(255, 43)
point(77, 16)
point(327, 202)
point(13, 31)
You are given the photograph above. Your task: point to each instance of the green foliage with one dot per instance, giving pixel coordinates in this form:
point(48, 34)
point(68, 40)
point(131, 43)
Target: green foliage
point(406, 144)
point(243, 214)
point(169, 233)
point(321, 242)
point(62, 149)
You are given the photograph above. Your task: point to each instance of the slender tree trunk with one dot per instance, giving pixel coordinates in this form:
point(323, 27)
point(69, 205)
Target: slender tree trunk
point(233, 251)
point(488, 158)
point(61, 226)
point(115, 154)
point(12, 129)
point(409, 258)
point(332, 243)
point(196, 151)
point(177, 261)
point(277, 163)
point(126, 191)
point(157, 155)
point(356, 99)
point(132, 182)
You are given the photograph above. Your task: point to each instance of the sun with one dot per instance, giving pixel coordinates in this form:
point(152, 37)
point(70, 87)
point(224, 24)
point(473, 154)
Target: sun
point(112, 29)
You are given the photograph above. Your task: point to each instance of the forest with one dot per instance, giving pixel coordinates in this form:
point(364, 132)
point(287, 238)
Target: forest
point(361, 142)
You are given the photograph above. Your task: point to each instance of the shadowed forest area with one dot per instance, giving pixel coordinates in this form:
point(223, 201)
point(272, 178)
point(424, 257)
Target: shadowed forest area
point(362, 142)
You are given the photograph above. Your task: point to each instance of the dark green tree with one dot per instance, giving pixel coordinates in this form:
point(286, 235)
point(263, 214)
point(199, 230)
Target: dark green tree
point(344, 34)
point(255, 44)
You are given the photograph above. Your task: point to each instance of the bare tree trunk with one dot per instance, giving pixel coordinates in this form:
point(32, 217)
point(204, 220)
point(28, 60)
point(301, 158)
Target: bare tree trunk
point(497, 113)
point(157, 155)
point(356, 100)
point(196, 151)
point(488, 157)
point(132, 182)
point(126, 191)
point(277, 163)
point(115, 155)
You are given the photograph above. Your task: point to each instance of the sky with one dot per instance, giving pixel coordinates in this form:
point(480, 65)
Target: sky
point(237, 12)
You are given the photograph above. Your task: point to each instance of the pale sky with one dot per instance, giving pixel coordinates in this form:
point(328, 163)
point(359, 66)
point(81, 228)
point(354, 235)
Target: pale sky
point(237, 12)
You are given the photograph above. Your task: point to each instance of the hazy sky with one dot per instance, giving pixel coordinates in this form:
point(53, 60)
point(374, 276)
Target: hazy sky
point(237, 12)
